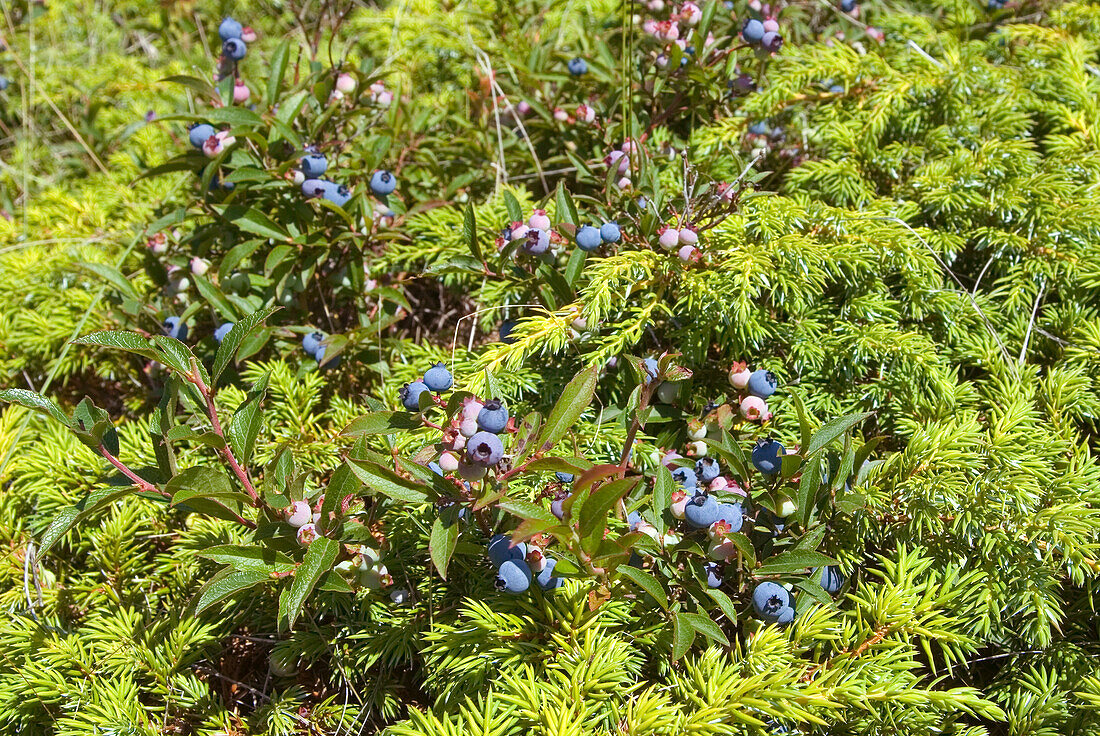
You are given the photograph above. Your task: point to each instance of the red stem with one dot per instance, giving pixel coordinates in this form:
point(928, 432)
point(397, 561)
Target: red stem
point(225, 451)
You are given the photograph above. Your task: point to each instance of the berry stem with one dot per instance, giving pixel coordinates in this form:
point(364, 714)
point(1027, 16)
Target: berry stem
point(141, 483)
point(226, 452)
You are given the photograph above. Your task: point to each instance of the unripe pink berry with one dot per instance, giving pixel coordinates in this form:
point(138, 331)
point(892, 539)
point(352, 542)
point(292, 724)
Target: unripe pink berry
point(755, 409)
point(690, 13)
point(520, 232)
point(771, 25)
point(471, 407)
point(241, 92)
point(561, 116)
point(688, 236)
point(448, 462)
point(298, 514)
point(718, 484)
point(722, 549)
point(306, 534)
point(199, 266)
point(586, 114)
point(668, 237)
point(679, 503)
point(739, 377)
point(523, 107)
point(624, 182)
point(346, 83)
point(384, 98)
point(468, 428)
point(297, 177)
point(687, 252)
point(697, 449)
point(650, 26)
point(539, 220)
point(248, 35)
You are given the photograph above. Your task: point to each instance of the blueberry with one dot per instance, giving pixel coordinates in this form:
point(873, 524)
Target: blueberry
point(229, 28)
point(760, 128)
point(714, 577)
point(513, 576)
point(769, 599)
point(312, 341)
point(234, 49)
point(762, 383)
point(577, 66)
point(588, 238)
point(701, 511)
point(732, 514)
point(434, 467)
point(847, 5)
point(319, 356)
point(786, 615)
point(831, 579)
point(221, 332)
point(199, 134)
point(338, 194)
point(382, 183)
point(314, 165)
point(505, 331)
point(610, 233)
point(438, 378)
point(537, 242)
point(564, 477)
point(633, 519)
point(173, 327)
point(771, 42)
point(501, 549)
point(685, 477)
point(315, 187)
point(652, 369)
point(557, 509)
point(4, 83)
point(410, 395)
point(836, 89)
point(707, 469)
point(493, 417)
point(752, 31)
point(485, 448)
point(546, 578)
point(767, 456)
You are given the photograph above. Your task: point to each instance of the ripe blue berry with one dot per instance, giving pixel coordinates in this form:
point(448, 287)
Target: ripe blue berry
point(732, 514)
point(199, 134)
point(314, 165)
point(513, 576)
point(319, 356)
point(771, 42)
point(537, 242)
point(786, 615)
point(229, 28)
point(707, 469)
point(4, 83)
point(588, 238)
point(438, 378)
point(501, 549)
point(610, 233)
point(762, 383)
point(505, 331)
point(564, 477)
point(493, 417)
point(410, 395)
point(234, 49)
point(577, 66)
point(701, 511)
point(714, 574)
point(633, 519)
point(221, 332)
point(760, 128)
point(847, 5)
point(685, 477)
point(752, 31)
point(338, 194)
point(547, 580)
point(831, 579)
point(557, 509)
point(173, 327)
point(315, 187)
point(485, 448)
point(769, 599)
point(434, 467)
point(652, 369)
point(767, 456)
point(312, 342)
point(382, 183)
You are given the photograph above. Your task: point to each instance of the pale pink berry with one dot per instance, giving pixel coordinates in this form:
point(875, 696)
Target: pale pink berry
point(687, 253)
point(618, 157)
point(199, 266)
point(722, 549)
point(649, 530)
point(471, 407)
point(586, 114)
point(458, 442)
point(719, 529)
point(629, 146)
point(306, 534)
point(448, 462)
point(384, 98)
point(697, 449)
point(662, 61)
point(468, 428)
point(624, 182)
point(580, 324)
point(241, 92)
point(298, 514)
point(688, 236)
point(523, 107)
point(690, 13)
point(656, 5)
point(297, 177)
point(679, 503)
point(520, 232)
point(536, 560)
point(720, 483)
point(726, 191)
point(670, 459)
point(560, 115)
point(158, 244)
point(346, 83)
point(755, 409)
point(697, 430)
point(248, 35)
point(739, 377)
point(539, 220)
point(668, 237)
point(650, 26)
point(335, 96)
point(771, 25)
point(212, 147)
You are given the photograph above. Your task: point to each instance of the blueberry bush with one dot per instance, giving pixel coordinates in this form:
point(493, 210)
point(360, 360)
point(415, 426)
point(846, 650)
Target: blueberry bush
point(556, 368)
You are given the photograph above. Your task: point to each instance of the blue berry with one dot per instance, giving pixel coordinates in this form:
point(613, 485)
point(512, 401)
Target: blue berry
point(714, 574)
point(319, 356)
point(438, 378)
point(577, 66)
point(767, 456)
point(505, 331)
point(769, 599)
point(4, 83)
point(382, 182)
point(701, 511)
point(732, 514)
point(314, 165)
point(537, 242)
point(633, 519)
point(836, 89)
point(199, 134)
point(410, 395)
point(831, 579)
point(312, 342)
point(557, 509)
point(564, 477)
point(501, 549)
point(485, 448)
point(234, 49)
point(434, 467)
point(771, 42)
point(652, 369)
point(173, 327)
point(221, 332)
point(513, 576)
point(707, 469)
point(752, 31)
point(493, 417)
point(786, 615)
point(685, 477)
point(315, 187)
point(547, 580)
point(338, 194)
point(229, 28)
point(610, 233)
point(588, 238)
point(762, 383)
point(760, 128)
point(847, 5)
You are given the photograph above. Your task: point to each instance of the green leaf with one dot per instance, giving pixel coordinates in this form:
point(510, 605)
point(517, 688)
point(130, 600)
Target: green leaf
point(176, 355)
point(240, 331)
point(381, 422)
point(804, 426)
point(226, 583)
point(318, 560)
point(566, 210)
point(515, 211)
point(745, 547)
point(705, 626)
point(385, 481)
point(728, 449)
point(199, 482)
point(833, 429)
point(247, 421)
point(646, 582)
point(793, 561)
point(214, 296)
point(66, 519)
point(807, 487)
point(240, 556)
point(441, 544)
point(253, 221)
point(527, 510)
point(469, 230)
point(234, 116)
point(593, 514)
point(560, 464)
point(342, 484)
point(572, 403)
point(725, 603)
point(201, 87)
point(31, 400)
point(131, 342)
point(682, 636)
point(278, 68)
point(114, 277)
point(663, 487)
point(333, 582)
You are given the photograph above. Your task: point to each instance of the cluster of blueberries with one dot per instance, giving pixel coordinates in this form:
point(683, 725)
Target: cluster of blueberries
point(517, 564)
point(314, 165)
point(314, 345)
point(762, 34)
point(535, 234)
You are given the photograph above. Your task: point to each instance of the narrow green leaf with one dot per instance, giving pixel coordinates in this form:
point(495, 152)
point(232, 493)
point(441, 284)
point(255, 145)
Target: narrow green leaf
point(131, 342)
point(527, 510)
point(31, 400)
point(249, 557)
point(469, 230)
point(572, 403)
point(706, 627)
point(114, 277)
point(793, 561)
point(385, 481)
point(646, 582)
point(807, 487)
point(234, 116)
point(682, 636)
point(247, 422)
point(278, 68)
point(342, 484)
point(242, 329)
point(206, 483)
point(593, 514)
point(441, 544)
point(515, 211)
point(201, 87)
point(833, 429)
point(253, 221)
point(663, 487)
point(725, 603)
point(318, 560)
point(225, 584)
point(66, 519)
point(214, 296)
point(381, 422)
